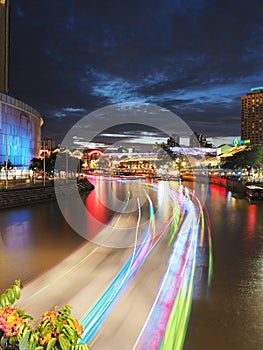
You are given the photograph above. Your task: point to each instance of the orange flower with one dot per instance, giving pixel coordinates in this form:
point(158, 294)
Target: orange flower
point(10, 321)
point(78, 327)
point(45, 339)
point(41, 341)
point(51, 314)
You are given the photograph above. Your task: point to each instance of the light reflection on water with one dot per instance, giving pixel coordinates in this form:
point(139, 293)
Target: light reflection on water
point(230, 316)
point(32, 239)
point(227, 316)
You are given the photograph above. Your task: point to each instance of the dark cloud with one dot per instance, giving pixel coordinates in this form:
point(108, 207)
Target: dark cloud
point(195, 58)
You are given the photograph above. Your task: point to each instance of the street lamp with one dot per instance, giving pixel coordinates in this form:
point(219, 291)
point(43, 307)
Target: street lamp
point(6, 159)
point(67, 165)
point(44, 165)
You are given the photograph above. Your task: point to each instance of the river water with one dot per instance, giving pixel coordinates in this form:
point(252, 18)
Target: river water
point(227, 316)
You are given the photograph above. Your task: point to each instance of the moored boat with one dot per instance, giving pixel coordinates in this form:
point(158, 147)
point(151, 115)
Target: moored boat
point(254, 192)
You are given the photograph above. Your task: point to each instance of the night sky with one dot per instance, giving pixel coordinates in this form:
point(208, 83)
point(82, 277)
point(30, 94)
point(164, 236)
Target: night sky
point(195, 58)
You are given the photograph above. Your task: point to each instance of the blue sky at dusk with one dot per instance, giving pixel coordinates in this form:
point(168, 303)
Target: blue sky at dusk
point(195, 58)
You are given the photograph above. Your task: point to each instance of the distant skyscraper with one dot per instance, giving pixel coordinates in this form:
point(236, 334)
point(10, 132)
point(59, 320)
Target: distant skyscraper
point(252, 116)
point(4, 45)
point(173, 141)
point(198, 140)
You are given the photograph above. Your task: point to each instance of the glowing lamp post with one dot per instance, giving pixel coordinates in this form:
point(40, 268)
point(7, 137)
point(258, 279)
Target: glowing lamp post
point(183, 165)
point(6, 162)
point(6, 159)
point(44, 165)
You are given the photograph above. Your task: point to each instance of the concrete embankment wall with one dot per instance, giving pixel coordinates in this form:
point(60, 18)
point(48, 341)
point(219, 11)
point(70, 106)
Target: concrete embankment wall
point(15, 197)
point(231, 184)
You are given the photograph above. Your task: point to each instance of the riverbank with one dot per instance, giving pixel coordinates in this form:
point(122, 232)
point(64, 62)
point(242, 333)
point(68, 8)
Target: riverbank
point(15, 197)
point(232, 185)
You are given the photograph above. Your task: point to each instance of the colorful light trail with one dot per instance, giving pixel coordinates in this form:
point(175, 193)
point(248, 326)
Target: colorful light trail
point(183, 231)
point(166, 325)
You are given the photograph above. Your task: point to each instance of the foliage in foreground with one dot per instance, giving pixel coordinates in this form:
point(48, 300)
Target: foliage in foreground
point(56, 330)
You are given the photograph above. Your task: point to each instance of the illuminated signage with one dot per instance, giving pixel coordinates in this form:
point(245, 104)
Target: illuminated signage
point(93, 164)
point(236, 142)
point(256, 88)
point(95, 152)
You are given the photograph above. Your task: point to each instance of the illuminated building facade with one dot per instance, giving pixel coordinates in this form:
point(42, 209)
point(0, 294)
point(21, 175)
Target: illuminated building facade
point(252, 116)
point(20, 124)
point(20, 131)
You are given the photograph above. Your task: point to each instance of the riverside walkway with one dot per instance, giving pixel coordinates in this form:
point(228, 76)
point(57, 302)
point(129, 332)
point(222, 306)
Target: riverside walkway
point(31, 194)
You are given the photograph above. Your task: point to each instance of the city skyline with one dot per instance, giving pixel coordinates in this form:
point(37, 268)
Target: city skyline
point(195, 59)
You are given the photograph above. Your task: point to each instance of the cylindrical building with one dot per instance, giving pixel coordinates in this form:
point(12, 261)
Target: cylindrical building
point(20, 131)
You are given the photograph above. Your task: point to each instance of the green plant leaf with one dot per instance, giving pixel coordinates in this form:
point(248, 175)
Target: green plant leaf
point(10, 295)
point(58, 325)
point(63, 342)
point(24, 339)
point(45, 332)
point(32, 346)
point(4, 300)
point(3, 341)
point(44, 324)
point(51, 343)
point(28, 336)
point(22, 314)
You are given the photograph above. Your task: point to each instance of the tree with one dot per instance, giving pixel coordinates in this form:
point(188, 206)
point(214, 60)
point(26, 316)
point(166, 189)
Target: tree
point(252, 157)
point(37, 164)
point(9, 165)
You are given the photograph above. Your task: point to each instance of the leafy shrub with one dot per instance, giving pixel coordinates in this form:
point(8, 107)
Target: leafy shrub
point(56, 329)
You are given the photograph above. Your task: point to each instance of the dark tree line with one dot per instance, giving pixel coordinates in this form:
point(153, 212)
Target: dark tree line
point(66, 162)
point(252, 157)
point(37, 164)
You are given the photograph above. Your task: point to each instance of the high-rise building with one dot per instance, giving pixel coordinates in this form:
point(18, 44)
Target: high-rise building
point(4, 45)
point(20, 124)
point(252, 116)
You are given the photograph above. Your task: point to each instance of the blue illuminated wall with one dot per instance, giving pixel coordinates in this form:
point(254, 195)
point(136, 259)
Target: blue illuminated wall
point(20, 131)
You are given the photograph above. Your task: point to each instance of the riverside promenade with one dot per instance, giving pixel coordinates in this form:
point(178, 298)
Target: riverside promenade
point(28, 194)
